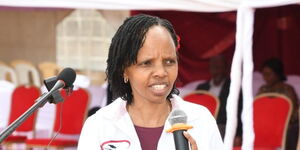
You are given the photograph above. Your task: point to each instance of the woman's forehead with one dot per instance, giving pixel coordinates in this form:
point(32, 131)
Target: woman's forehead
point(158, 37)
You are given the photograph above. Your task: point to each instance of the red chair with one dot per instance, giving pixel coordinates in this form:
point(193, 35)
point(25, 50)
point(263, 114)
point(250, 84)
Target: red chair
point(23, 98)
point(71, 119)
point(271, 115)
point(255, 148)
point(206, 99)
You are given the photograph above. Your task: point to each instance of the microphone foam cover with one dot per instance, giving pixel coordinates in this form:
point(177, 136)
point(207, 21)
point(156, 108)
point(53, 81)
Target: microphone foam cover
point(177, 116)
point(67, 75)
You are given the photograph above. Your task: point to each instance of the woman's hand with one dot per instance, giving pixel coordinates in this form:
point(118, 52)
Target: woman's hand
point(191, 140)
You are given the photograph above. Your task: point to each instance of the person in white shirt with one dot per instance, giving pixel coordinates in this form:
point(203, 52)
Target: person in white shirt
point(219, 85)
point(142, 68)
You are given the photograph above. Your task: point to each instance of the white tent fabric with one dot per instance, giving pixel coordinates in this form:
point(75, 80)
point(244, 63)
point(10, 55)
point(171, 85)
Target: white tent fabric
point(183, 5)
point(243, 50)
point(243, 54)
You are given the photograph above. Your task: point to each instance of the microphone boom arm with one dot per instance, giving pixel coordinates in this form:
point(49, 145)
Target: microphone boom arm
point(65, 80)
point(12, 127)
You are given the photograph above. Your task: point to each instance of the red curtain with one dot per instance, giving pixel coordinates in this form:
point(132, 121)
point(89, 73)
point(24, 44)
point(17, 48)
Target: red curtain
point(277, 34)
point(203, 35)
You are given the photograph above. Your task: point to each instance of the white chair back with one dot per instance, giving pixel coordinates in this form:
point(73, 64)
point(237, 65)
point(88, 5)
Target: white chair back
point(6, 71)
point(24, 70)
point(6, 90)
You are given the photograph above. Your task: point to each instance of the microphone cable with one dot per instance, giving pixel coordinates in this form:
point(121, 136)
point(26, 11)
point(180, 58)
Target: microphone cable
point(60, 125)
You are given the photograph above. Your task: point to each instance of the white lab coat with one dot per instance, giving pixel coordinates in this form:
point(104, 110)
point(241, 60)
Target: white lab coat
point(111, 128)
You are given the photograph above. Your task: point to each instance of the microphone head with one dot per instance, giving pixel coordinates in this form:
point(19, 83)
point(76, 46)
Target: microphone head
point(67, 75)
point(177, 116)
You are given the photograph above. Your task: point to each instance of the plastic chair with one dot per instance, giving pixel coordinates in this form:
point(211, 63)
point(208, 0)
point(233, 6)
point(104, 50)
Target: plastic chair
point(26, 72)
point(271, 115)
point(22, 99)
point(72, 116)
point(206, 99)
point(48, 69)
point(6, 90)
point(7, 73)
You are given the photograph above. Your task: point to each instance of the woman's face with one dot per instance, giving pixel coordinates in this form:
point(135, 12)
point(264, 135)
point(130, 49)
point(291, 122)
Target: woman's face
point(153, 76)
point(270, 76)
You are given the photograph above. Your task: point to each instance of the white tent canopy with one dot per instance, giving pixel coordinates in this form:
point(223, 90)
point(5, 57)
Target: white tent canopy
point(182, 5)
point(243, 49)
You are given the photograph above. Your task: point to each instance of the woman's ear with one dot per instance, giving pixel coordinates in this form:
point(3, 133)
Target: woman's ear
point(125, 73)
point(125, 77)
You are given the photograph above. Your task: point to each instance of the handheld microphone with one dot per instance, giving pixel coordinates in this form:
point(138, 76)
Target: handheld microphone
point(178, 120)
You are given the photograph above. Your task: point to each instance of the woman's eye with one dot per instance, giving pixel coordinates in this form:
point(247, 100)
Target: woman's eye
point(170, 61)
point(145, 63)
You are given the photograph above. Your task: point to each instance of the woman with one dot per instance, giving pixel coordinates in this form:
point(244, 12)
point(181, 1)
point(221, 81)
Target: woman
point(142, 68)
point(273, 74)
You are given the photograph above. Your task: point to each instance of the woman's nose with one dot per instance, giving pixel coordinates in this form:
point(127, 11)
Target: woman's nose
point(160, 71)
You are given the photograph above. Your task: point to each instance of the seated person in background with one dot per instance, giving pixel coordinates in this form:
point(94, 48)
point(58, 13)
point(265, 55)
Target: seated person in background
point(219, 85)
point(273, 74)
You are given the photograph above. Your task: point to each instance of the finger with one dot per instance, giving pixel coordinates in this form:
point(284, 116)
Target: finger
point(191, 140)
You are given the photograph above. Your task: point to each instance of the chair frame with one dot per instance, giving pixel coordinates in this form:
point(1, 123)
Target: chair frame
point(271, 94)
point(210, 94)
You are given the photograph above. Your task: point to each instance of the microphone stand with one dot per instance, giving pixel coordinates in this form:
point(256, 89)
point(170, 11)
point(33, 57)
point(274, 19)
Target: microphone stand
point(40, 102)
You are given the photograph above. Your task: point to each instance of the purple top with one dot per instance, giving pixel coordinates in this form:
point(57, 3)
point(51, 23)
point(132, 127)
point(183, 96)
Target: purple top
point(149, 136)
